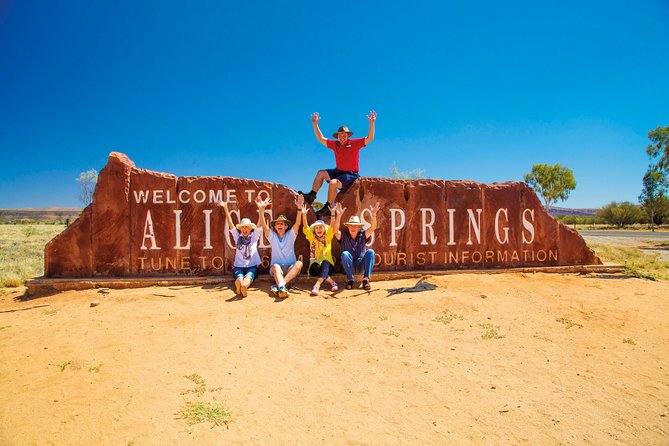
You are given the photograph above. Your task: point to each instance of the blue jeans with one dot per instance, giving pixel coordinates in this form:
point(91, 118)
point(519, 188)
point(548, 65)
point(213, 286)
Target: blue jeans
point(239, 272)
point(322, 270)
point(358, 265)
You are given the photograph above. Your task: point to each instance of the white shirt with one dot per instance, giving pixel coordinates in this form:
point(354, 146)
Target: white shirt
point(283, 249)
point(253, 256)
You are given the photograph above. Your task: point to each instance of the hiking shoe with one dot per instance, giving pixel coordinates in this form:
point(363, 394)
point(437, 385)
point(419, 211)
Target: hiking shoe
point(323, 212)
point(349, 285)
point(283, 293)
point(366, 285)
point(309, 197)
point(334, 286)
point(275, 290)
point(315, 290)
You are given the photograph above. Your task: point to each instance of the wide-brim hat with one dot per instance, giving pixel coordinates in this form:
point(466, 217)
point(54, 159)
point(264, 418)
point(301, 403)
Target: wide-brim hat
point(342, 129)
point(281, 218)
point(354, 220)
point(318, 223)
point(245, 223)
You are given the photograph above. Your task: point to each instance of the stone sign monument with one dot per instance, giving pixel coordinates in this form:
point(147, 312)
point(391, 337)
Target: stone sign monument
point(145, 223)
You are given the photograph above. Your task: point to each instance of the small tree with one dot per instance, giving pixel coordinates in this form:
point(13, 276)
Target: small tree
point(553, 183)
point(87, 181)
point(655, 185)
point(415, 174)
point(659, 147)
point(620, 214)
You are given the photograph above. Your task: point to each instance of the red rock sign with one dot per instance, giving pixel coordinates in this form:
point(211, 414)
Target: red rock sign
point(149, 223)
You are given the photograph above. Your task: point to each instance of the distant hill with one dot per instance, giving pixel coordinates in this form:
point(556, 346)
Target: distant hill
point(41, 214)
point(582, 212)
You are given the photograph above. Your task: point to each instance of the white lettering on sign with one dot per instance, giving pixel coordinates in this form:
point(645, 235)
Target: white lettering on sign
point(149, 232)
point(474, 224)
point(505, 228)
point(215, 196)
point(158, 197)
point(394, 225)
point(231, 196)
point(168, 197)
point(207, 229)
point(451, 226)
point(427, 226)
point(528, 225)
point(183, 193)
point(177, 230)
point(141, 196)
point(199, 196)
point(367, 224)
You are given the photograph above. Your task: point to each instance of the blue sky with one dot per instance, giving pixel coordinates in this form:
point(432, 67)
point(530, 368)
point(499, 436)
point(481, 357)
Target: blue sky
point(463, 90)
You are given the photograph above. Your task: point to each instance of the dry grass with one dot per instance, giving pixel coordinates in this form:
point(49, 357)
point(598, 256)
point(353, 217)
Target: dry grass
point(638, 262)
point(22, 251)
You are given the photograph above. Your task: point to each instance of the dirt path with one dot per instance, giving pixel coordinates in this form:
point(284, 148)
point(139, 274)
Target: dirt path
point(482, 359)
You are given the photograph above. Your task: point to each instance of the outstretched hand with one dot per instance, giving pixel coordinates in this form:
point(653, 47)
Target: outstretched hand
point(262, 204)
point(374, 209)
point(304, 209)
point(221, 203)
point(315, 118)
point(371, 116)
point(338, 209)
point(300, 201)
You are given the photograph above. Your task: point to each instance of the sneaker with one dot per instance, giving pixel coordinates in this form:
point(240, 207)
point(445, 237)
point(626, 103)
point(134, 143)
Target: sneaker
point(244, 290)
point(282, 291)
point(323, 212)
point(308, 197)
point(275, 290)
point(349, 285)
point(315, 290)
point(334, 286)
point(366, 285)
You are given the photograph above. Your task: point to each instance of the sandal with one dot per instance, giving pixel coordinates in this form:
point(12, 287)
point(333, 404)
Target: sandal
point(315, 290)
point(334, 286)
point(366, 285)
point(349, 285)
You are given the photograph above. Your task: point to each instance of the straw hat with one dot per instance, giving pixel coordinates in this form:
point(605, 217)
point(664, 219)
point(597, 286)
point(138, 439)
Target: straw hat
point(342, 129)
point(318, 223)
point(354, 220)
point(283, 219)
point(245, 223)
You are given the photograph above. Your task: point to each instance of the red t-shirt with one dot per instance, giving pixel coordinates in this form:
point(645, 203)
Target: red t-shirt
point(348, 156)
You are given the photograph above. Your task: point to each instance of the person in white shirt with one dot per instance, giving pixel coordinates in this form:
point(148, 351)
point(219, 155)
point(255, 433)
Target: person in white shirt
point(284, 266)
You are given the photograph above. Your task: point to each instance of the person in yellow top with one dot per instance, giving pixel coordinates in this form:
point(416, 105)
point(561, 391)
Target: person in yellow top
point(320, 235)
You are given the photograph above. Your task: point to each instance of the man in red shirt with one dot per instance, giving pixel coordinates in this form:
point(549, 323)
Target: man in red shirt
point(347, 156)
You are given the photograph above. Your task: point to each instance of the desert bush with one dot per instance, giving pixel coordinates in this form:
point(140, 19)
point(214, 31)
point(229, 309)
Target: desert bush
point(621, 214)
point(22, 251)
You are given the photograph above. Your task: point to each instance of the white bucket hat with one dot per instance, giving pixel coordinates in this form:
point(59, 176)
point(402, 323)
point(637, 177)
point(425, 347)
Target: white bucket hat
point(245, 223)
point(354, 220)
point(318, 223)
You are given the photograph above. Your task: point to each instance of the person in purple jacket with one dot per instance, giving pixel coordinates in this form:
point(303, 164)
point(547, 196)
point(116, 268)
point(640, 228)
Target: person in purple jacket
point(356, 258)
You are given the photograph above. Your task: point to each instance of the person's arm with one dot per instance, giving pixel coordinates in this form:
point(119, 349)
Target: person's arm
point(372, 120)
point(373, 210)
point(338, 211)
point(317, 131)
point(298, 218)
point(261, 217)
point(224, 205)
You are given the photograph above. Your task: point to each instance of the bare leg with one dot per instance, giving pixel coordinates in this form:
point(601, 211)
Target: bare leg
point(294, 271)
point(321, 175)
point(246, 282)
point(332, 190)
point(278, 274)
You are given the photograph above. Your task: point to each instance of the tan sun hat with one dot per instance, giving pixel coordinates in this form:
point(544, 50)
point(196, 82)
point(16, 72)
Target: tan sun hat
point(342, 129)
point(245, 223)
point(318, 223)
point(354, 220)
point(283, 219)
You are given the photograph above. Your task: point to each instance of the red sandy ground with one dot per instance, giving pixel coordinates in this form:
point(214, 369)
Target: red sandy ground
point(362, 368)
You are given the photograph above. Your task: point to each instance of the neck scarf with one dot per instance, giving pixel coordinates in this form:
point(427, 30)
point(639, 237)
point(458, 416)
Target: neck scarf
point(244, 246)
point(317, 247)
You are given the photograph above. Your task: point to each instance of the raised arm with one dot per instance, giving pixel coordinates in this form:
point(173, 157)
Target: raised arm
point(262, 204)
point(372, 121)
point(228, 218)
point(373, 210)
point(299, 203)
point(338, 211)
point(317, 131)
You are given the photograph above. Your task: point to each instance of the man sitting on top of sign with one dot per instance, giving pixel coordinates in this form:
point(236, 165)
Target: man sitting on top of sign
point(284, 267)
point(347, 156)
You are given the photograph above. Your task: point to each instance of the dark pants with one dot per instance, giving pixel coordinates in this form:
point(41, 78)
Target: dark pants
point(322, 270)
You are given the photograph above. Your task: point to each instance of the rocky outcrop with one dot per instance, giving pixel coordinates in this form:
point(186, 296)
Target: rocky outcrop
point(146, 223)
